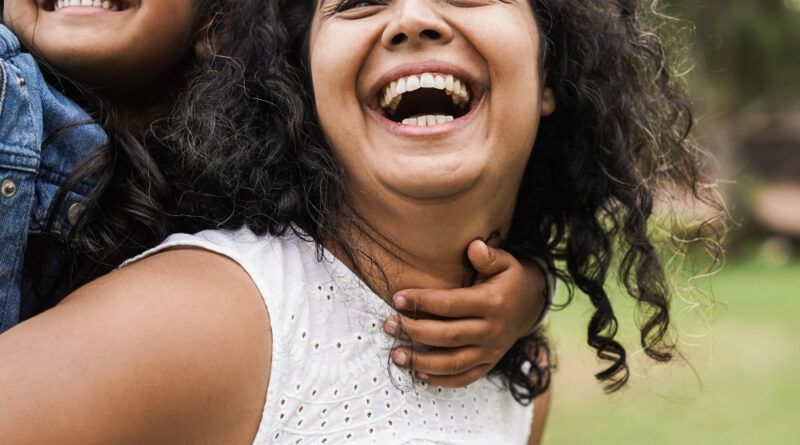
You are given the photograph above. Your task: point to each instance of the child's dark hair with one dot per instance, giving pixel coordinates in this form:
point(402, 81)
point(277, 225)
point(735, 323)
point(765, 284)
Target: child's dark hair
point(619, 134)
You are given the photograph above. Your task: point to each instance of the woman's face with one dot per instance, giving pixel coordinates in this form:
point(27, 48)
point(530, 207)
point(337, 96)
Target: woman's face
point(427, 99)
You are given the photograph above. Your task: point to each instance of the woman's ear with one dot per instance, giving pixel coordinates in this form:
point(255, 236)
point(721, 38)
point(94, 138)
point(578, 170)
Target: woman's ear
point(548, 102)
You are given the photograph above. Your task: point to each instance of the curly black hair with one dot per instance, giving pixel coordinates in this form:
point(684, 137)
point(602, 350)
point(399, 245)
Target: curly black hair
point(243, 147)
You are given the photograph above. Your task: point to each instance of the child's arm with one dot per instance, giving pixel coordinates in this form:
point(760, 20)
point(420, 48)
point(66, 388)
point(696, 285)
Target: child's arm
point(475, 326)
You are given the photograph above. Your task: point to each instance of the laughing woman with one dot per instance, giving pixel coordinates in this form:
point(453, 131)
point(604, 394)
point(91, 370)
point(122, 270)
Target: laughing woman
point(402, 130)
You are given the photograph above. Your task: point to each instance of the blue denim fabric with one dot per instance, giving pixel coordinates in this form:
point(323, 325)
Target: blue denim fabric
point(43, 136)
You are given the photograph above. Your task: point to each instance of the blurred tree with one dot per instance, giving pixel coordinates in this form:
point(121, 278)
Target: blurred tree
point(747, 52)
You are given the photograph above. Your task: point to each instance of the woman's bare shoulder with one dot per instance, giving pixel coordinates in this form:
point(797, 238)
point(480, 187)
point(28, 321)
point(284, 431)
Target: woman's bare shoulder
point(173, 348)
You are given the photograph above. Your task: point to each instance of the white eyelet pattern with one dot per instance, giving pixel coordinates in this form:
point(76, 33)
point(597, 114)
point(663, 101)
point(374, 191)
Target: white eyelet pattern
point(331, 380)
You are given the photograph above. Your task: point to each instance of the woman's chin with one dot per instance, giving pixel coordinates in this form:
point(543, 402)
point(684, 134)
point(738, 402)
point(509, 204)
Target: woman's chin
point(438, 183)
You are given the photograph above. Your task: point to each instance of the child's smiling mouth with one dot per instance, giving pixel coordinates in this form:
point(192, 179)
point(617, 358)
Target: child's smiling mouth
point(109, 5)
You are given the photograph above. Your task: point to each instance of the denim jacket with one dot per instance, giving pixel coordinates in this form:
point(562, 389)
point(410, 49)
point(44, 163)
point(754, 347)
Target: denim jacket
point(43, 137)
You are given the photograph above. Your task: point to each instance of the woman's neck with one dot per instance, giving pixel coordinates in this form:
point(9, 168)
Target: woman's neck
point(421, 243)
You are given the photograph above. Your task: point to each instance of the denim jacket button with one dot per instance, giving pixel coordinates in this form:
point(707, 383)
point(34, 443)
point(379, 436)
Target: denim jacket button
point(8, 187)
point(21, 81)
point(74, 213)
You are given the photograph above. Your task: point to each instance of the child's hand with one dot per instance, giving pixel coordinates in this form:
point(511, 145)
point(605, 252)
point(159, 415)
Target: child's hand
point(475, 326)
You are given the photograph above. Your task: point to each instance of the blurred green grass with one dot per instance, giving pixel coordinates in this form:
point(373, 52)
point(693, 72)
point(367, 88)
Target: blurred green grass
point(739, 384)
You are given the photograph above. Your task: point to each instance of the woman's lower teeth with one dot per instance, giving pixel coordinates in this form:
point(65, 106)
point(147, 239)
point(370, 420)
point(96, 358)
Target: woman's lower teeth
point(427, 120)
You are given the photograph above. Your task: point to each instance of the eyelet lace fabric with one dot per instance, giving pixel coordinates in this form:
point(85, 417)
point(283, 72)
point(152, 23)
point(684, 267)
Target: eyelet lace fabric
point(331, 380)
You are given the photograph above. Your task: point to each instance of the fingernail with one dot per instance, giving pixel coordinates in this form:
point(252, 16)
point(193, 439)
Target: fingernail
point(390, 326)
point(400, 301)
point(423, 376)
point(401, 358)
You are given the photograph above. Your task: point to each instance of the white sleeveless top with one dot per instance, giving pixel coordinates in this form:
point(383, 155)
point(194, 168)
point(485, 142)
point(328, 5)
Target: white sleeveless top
point(332, 380)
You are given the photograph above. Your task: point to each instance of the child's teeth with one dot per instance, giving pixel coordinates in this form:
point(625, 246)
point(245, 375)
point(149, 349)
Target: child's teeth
point(105, 4)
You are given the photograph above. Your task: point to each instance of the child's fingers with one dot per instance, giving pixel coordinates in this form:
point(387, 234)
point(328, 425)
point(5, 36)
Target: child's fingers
point(486, 259)
point(439, 333)
point(439, 362)
point(449, 303)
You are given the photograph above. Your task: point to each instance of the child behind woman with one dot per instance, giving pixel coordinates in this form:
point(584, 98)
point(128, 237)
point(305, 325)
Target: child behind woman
point(34, 160)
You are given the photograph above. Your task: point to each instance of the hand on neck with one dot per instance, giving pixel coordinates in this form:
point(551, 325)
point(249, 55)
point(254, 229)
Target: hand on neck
point(423, 243)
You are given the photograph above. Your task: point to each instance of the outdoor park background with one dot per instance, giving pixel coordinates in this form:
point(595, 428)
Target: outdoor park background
point(738, 329)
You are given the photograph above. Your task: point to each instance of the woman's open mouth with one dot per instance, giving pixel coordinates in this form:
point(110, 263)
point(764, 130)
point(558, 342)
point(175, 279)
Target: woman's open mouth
point(426, 99)
point(111, 5)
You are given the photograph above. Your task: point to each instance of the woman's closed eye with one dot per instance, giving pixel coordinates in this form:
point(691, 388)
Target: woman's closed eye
point(347, 5)
point(353, 5)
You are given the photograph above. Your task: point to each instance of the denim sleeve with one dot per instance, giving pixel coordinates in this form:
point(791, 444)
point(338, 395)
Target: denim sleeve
point(43, 137)
point(20, 143)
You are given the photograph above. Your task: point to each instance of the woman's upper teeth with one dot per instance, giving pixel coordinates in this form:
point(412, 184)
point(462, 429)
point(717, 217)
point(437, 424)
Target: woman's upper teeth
point(455, 88)
point(105, 4)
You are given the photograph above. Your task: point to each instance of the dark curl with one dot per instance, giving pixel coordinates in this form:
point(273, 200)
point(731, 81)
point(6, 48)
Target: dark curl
point(248, 136)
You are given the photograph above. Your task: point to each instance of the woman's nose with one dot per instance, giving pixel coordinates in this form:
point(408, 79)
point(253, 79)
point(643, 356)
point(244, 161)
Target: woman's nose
point(416, 23)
